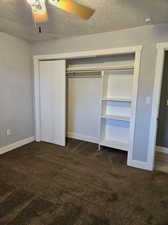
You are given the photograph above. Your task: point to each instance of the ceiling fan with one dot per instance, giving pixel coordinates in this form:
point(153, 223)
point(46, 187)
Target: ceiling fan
point(39, 10)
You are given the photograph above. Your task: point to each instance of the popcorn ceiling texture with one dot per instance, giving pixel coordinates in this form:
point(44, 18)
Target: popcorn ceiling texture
point(15, 18)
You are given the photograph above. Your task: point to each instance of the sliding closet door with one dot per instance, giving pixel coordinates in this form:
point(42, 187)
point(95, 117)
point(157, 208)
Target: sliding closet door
point(52, 101)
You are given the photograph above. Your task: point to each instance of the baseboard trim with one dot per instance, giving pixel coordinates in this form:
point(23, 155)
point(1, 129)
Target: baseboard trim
point(15, 145)
point(140, 165)
point(162, 149)
point(83, 137)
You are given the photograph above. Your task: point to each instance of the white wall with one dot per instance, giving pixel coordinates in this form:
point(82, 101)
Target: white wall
point(83, 95)
point(16, 91)
point(147, 36)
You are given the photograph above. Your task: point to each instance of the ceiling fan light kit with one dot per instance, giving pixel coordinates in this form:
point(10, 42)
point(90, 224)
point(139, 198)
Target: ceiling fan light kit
point(39, 10)
point(38, 6)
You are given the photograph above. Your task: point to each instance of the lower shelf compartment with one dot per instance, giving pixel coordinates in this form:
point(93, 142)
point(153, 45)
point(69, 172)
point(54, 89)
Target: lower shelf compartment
point(115, 144)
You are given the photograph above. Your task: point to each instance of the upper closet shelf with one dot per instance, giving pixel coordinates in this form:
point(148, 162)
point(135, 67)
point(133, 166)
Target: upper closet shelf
point(100, 67)
point(117, 99)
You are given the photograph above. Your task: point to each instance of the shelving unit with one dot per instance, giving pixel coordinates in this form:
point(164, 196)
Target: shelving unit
point(116, 112)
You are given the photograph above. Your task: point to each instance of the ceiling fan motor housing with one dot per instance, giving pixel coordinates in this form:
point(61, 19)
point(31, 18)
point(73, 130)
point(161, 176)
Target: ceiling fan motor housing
point(38, 6)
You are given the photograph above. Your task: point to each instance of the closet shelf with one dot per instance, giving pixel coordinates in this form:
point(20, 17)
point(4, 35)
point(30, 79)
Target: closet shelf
point(99, 68)
point(117, 99)
point(115, 144)
point(115, 117)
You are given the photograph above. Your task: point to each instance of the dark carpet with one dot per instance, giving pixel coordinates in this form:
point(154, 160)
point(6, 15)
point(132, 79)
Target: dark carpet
point(45, 184)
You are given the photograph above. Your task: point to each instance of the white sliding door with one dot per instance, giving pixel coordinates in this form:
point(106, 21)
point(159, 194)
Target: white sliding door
point(52, 101)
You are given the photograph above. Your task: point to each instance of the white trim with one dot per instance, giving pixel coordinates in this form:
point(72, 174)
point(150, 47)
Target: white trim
point(139, 164)
point(130, 160)
point(161, 48)
point(162, 149)
point(16, 145)
point(83, 137)
point(162, 45)
point(37, 99)
point(92, 53)
point(100, 108)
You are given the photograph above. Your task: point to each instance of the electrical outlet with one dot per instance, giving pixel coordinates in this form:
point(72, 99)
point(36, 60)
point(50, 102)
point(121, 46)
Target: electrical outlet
point(8, 132)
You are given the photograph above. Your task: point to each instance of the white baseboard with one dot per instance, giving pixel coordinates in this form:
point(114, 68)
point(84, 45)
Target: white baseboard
point(140, 165)
point(16, 145)
point(162, 149)
point(82, 137)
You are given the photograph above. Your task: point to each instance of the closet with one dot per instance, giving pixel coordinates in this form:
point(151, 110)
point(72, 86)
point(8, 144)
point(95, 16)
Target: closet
point(87, 98)
point(114, 78)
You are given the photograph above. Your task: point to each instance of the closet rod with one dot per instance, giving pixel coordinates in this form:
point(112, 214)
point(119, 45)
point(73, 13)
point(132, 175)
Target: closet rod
point(83, 74)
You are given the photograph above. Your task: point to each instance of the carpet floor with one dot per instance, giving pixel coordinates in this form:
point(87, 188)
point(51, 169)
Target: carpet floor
point(45, 184)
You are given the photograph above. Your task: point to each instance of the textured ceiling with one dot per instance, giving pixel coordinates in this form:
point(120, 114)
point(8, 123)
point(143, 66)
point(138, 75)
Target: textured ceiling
point(15, 18)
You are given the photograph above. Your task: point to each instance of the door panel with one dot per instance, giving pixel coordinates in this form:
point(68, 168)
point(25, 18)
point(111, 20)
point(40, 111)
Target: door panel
point(162, 132)
point(52, 101)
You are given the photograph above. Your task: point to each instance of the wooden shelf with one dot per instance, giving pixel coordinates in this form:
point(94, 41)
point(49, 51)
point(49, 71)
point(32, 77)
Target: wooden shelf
point(117, 99)
point(115, 144)
point(116, 117)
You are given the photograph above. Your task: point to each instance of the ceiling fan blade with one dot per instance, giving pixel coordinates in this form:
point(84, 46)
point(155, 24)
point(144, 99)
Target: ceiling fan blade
point(73, 7)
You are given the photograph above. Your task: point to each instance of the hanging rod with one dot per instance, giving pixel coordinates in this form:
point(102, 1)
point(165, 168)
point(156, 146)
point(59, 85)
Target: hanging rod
point(83, 74)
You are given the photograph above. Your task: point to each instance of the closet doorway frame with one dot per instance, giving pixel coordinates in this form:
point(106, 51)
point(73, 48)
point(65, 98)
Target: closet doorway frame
point(160, 57)
point(136, 50)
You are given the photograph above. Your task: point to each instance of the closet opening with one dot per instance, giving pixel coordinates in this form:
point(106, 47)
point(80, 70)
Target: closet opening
point(99, 96)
